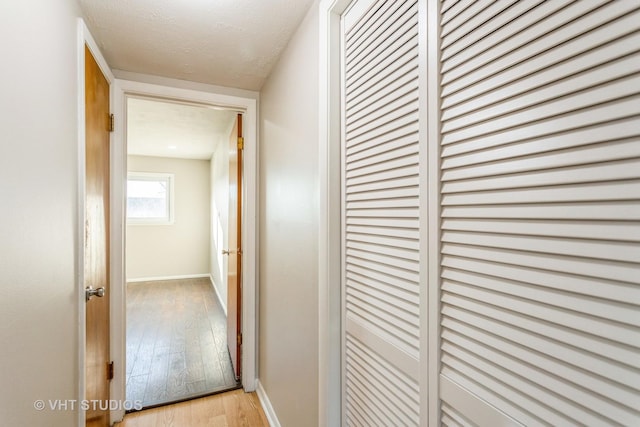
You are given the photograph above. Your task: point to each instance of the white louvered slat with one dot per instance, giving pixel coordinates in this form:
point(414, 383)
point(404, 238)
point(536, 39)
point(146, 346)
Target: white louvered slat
point(540, 220)
point(451, 417)
point(391, 23)
point(593, 286)
point(491, 21)
point(621, 271)
point(606, 250)
point(606, 73)
point(624, 190)
point(579, 367)
point(582, 230)
point(367, 287)
point(381, 221)
point(557, 35)
point(460, 102)
point(537, 36)
point(538, 113)
point(475, 167)
point(377, 86)
point(611, 211)
point(627, 108)
point(399, 49)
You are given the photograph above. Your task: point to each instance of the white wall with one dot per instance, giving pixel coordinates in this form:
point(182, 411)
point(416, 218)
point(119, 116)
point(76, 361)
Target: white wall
point(181, 248)
point(38, 185)
point(288, 253)
point(220, 218)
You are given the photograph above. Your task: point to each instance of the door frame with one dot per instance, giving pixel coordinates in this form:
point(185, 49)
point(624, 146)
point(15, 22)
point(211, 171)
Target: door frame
point(84, 38)
point(217, 97)
point(330, 223)
point(237, 99)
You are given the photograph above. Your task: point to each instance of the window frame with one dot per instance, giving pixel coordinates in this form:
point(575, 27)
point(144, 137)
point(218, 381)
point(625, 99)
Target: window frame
point(153, 176)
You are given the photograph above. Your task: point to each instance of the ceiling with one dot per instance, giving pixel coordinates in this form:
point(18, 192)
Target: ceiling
point(232, 43)
point(167, 129)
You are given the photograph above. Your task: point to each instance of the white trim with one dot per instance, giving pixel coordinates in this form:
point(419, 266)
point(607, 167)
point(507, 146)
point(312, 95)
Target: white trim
point(88, 39)
point(159, 278)
point(266, 406)
point(223, 304)
point(429, 21)
point(249, 107)
point(116, 265)
point(80, 240)
point(424, 216)
point(329, 258)
point(118, 254)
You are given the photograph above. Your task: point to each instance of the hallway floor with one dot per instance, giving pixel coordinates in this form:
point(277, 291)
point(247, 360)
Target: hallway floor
point(231, 409)
point(176, 342)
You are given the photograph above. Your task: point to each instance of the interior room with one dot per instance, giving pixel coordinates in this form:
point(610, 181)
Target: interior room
point(177, 227)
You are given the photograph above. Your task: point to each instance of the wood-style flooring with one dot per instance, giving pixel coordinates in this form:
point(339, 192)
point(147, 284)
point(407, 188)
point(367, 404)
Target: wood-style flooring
point(231, 409)
point(176, 342)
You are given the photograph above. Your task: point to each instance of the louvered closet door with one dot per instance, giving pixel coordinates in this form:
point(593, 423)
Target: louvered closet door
point(540, 145)
point(380, 208)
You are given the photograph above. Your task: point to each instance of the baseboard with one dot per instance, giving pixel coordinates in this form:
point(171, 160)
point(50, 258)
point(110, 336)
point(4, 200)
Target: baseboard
point(154, 279)
point(223, 304)
point(266, 405)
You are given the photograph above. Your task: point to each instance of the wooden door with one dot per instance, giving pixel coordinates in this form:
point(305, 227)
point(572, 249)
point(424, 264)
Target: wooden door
point(96, 250)
point(234, 271)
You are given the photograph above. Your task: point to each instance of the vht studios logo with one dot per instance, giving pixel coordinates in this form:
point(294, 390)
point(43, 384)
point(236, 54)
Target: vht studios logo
point(87, 405)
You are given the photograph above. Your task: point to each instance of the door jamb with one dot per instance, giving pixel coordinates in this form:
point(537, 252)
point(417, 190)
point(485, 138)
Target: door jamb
point(248, 105)
point(84, 37)
point(330, 250)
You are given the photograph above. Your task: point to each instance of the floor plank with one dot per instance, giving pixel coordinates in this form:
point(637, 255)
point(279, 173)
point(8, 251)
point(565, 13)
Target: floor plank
point(176, 342)
point(231, 409)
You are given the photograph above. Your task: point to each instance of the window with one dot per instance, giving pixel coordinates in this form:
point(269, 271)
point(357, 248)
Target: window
point(149, 198)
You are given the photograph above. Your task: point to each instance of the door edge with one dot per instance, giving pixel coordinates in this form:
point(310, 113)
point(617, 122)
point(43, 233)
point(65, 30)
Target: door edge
point(84, 38)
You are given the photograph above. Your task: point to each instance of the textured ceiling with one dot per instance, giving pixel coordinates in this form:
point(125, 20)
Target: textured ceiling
point(166, 129)
point(230, 43)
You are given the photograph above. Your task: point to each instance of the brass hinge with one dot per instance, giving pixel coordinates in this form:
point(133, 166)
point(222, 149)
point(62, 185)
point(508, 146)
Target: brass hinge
point(239, 337)
point(110, 370)
point(240, 143)
point(111, 123)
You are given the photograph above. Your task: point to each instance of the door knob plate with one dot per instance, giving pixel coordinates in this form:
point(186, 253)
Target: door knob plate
point(90, 292)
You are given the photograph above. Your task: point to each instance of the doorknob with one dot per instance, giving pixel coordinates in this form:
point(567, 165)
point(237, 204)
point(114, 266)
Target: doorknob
point(226, 252)
point(90, 292)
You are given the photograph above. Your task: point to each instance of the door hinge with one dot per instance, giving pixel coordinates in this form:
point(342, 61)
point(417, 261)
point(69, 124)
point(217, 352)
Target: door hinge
point(111, 123)
point(239, 337)
point(110, 370)
point(240, 143)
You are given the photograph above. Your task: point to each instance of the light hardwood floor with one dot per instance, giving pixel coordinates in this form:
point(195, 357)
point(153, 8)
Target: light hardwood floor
point(231, 409)
point(176, 342)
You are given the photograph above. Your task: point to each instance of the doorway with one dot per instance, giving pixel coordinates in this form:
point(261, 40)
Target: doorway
point(182, 92)
point(178, 197)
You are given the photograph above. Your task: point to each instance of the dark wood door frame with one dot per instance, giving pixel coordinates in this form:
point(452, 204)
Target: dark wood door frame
point(234, 252)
